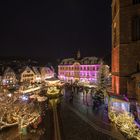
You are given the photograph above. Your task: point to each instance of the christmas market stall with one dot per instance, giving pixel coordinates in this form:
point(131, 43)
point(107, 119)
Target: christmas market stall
point(119, 114)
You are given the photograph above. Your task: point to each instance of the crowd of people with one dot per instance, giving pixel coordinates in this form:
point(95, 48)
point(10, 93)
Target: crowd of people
point(96, 96)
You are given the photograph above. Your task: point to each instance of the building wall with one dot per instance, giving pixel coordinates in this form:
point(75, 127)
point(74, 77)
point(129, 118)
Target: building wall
point(115, 46)
point(28, 76)
point(134, 86)
point(37, 74)
point(137, 86)
point(9, 77)
point(125, 51)
point(77, 72)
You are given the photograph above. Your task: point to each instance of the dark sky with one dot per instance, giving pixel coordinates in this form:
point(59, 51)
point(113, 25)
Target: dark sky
point(55, 28)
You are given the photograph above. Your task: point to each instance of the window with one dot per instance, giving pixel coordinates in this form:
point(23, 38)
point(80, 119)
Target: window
point(136, 1)
point(93, 68)
point(97, 68)
point(136, 28)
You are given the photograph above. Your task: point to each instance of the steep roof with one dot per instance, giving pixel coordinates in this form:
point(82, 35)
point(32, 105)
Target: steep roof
point(9, 69)
point(36, 70)
point(84, 60)
point(2, 68)
point(67, 61)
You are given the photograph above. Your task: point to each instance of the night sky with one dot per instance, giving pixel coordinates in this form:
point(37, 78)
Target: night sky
point(55, 29)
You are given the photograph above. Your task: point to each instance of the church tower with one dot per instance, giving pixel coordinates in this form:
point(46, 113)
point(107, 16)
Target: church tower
point(78, 55)
point(125, 43)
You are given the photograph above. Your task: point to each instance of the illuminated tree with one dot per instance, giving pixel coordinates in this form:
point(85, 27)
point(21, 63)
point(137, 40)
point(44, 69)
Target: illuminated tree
point(101, 90)
point(102, 77)
point(13, 110)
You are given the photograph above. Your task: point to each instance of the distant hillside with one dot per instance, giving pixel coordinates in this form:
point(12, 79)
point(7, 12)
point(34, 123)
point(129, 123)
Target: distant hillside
point(39, 60)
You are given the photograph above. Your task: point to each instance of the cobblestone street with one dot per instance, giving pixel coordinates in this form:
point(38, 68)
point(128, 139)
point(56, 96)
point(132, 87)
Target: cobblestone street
point(76, 129)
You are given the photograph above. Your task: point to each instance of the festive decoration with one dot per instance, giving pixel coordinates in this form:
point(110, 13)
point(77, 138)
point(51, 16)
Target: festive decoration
point(118, 104)
point(102, 76)
point(14, 111)
point(126, 124)
point(53, 90)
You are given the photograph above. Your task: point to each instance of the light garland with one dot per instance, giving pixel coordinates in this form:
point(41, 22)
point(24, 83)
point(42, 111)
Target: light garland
point(126, 124)
point(12, 110)
point(53, 90)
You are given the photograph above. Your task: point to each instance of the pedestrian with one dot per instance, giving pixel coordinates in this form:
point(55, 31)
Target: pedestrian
point(71, 97)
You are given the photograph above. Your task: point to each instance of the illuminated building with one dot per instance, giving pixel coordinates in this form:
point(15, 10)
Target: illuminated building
point(37, 74)
point(83, 70)
point(126, 47)
point(28, 75)
point(9, 77)
point(46, 73)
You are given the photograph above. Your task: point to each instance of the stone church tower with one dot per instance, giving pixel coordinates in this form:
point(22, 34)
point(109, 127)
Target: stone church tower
point(125, 45)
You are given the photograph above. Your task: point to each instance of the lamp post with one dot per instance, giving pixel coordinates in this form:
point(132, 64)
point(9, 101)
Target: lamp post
point(20, 127)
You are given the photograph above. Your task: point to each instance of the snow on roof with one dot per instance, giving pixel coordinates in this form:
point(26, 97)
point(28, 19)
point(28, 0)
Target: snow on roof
point(68, 61)
point(39, 98)
point(84, 60)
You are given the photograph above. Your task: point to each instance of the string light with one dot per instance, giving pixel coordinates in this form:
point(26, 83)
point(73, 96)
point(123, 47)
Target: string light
point(125, 123)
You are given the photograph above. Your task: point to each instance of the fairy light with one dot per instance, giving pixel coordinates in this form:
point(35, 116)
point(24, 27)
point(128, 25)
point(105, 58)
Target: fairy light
point(125, 123)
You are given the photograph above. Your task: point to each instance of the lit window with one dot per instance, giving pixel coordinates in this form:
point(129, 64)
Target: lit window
point(97, 68)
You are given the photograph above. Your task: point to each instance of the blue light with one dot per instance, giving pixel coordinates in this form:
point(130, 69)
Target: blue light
point(24, 98)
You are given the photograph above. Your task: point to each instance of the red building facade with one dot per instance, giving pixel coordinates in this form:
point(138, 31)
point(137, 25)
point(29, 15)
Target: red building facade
point(125, 45)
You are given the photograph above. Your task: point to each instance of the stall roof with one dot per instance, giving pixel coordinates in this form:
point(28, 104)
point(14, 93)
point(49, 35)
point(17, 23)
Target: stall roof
point(52, 79)
point(121, 98)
